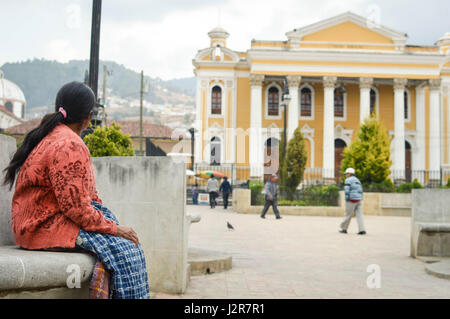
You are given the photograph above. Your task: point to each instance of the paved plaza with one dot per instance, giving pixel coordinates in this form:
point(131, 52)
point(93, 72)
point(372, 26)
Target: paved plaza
point(306, 257)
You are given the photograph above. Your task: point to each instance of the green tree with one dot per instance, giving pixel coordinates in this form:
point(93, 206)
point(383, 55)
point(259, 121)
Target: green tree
point(370, 153)
point(109, 141)
point(293, 166)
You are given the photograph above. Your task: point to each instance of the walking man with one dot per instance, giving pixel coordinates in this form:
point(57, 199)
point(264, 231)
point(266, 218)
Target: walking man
point(271, 190)
point(212, 188)
point(353, 201)
point(195, 194)
point(225, 189)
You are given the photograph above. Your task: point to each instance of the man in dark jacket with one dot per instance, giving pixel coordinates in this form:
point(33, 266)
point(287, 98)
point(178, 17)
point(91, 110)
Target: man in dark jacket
point(271, 190)
point(225, 189)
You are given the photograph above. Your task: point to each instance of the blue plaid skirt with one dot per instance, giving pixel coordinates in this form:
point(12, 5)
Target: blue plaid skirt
point(125, 261)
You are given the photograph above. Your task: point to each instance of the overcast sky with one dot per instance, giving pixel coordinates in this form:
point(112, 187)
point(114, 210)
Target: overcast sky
point(161, 37)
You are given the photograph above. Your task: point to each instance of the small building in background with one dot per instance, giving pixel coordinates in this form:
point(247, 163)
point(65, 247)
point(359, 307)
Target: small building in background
point(12, 103)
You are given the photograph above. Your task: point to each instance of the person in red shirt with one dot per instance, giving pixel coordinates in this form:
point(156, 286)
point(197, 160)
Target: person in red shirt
point(55, 202)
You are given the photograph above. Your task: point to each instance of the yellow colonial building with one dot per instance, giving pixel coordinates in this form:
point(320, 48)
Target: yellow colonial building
point(337, 71)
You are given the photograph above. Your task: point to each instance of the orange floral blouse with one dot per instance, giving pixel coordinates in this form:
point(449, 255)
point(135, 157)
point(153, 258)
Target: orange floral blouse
point(53, 194)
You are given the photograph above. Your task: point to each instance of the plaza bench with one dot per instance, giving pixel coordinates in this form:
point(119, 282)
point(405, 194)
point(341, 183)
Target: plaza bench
point(430, 223)
point(35, 274)
point(43, 274)
point(140, 193)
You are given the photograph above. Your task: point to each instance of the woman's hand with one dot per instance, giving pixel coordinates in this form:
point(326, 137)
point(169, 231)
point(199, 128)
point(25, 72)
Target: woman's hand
point(127, 233)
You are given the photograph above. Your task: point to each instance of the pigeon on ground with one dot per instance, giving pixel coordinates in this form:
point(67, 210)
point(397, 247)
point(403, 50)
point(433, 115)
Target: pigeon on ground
point(229, 226)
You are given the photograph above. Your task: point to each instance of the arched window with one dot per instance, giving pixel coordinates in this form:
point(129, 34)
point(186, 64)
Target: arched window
point(373, 101)
point(338, 102)
point(215, 150)
point(9, 106)
point(273, 103)
point(305, 102)
point(216, 100)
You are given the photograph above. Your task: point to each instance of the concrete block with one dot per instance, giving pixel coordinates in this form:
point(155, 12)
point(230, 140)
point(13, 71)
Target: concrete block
point(430, 223)
point(149, 194)
point(8, 148)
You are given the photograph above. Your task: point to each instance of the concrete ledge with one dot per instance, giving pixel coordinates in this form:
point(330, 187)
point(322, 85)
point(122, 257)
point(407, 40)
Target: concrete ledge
point(439, 269)
point(208, 262)
point(48, 293)
point(434, 227)
point(374, 204)
point(300, 210)
point(22, 269)
point(431, 259)
point(396, 211)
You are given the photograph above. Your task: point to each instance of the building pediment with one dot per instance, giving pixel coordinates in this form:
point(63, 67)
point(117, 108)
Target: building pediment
point(215, 55)
point(347, 28)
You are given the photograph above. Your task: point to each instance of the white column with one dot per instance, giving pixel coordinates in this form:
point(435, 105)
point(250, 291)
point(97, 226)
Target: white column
point(435, 120)
point(256, 146)
point(446, 93)
point(201, 84)
point(399, 129)
point(418, 162)
point(293, 108)
point(364, 98)
point(233, 123)
point(328, 126)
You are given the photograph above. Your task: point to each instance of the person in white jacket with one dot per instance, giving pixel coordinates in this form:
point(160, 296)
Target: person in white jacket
point(212, 188)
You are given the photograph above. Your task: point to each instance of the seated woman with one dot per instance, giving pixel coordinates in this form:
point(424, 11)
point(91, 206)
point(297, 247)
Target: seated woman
point(55, 203)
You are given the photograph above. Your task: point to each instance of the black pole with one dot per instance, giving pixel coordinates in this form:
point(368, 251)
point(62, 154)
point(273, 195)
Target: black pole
point(94, 58)
point(192, 131)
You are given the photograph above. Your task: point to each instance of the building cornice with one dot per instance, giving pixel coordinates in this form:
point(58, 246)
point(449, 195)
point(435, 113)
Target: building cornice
point(347, 56)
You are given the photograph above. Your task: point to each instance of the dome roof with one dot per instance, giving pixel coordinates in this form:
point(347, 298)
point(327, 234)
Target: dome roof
point(446, 36)
point(9, 91)
point(218, 32)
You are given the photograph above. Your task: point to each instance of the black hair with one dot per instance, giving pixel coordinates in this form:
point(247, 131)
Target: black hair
point(78, 101)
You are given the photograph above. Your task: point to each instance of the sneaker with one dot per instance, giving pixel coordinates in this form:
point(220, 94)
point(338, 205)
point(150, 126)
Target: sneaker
point(262, 217)
point(279, 217)
point(362, 232)
point(343, 231)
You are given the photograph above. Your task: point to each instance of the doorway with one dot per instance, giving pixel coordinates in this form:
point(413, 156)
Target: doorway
point(339, 146)
point(408, 167)
point(271, 157)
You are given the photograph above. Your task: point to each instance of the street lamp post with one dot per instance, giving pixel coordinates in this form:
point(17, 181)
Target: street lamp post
point(285, 98)
point(91, 77)
point(94, 58)
point(192, 131)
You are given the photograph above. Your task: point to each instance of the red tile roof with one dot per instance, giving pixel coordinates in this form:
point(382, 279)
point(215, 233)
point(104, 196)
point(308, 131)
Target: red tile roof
point(128, 127)
point(131, 127)
point(24, 128)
